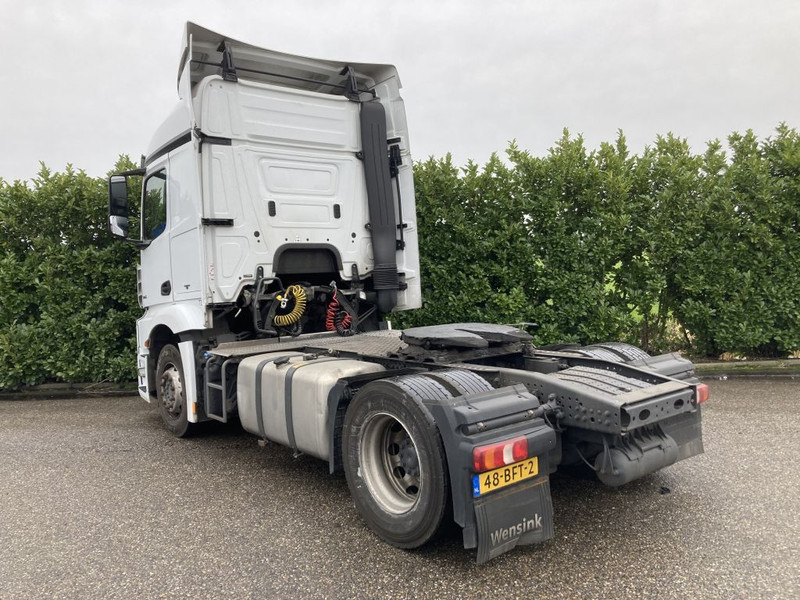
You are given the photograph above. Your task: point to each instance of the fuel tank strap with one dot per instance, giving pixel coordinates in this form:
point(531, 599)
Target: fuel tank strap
point(259, 407)
point(287, 387)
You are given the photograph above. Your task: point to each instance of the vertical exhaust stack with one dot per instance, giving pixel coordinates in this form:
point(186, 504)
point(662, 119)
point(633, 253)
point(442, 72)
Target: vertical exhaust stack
point(380, 199)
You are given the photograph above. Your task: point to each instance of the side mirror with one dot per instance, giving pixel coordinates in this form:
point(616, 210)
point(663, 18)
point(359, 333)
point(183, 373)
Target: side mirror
point(119, 217)
point(118, 206)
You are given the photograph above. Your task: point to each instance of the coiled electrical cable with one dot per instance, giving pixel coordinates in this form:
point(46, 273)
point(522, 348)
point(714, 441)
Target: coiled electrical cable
point(298, 294)
point(343, 323)
point(337, 318)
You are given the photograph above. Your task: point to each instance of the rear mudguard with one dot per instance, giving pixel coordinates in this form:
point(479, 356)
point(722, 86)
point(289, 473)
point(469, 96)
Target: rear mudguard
point(520, 514)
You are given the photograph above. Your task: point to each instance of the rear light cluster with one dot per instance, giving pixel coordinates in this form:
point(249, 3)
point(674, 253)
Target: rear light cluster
point(702, 393)
point(486, 458)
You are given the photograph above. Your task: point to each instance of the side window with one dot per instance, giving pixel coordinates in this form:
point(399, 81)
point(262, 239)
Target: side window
point(154, 206)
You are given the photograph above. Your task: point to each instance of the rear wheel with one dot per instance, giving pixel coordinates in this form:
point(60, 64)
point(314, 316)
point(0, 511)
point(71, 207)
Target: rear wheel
point(171, 391)
point(395, 464)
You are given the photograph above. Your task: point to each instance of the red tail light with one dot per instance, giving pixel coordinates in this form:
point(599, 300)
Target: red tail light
point(486, 458)
point(702, 393)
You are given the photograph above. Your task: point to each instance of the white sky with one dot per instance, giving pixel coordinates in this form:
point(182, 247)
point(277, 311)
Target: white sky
point(84, 81)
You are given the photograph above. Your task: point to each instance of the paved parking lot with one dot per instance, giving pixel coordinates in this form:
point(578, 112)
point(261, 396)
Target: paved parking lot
point(97, 500)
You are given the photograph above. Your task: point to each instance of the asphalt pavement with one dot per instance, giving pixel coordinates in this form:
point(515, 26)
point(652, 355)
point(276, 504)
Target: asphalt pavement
point(97, 500)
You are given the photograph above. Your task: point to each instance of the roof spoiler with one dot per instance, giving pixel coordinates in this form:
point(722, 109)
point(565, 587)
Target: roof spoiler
point(213, 53)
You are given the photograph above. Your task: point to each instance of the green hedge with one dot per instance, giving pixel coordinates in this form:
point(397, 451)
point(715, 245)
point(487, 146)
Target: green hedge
point(67, 290)
point(667, 249)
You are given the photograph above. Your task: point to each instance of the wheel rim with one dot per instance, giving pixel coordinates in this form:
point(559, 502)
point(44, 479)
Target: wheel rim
point(389, 463)
point(172, 390)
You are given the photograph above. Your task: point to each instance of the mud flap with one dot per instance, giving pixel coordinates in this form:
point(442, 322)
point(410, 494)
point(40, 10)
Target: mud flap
point(687, 431)
point(518, 516)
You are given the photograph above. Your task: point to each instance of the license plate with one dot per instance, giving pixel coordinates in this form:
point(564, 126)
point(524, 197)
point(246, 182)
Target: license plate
point(500, 478)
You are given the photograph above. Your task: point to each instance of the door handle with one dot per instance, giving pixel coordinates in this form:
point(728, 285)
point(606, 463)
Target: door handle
point(166, 288)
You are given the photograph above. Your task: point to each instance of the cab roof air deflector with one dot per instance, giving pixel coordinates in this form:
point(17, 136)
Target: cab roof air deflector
point(210, 53)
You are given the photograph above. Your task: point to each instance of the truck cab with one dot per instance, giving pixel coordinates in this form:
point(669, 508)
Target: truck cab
point(276, 181)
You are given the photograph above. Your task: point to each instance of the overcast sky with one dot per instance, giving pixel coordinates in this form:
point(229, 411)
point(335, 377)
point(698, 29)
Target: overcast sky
point(84, 81)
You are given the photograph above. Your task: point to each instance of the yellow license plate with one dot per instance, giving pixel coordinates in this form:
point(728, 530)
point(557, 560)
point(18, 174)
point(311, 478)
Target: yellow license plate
point(500, 478)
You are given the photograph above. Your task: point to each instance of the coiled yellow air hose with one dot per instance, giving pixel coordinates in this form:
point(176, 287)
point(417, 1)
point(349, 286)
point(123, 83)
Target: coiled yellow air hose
point(300, 299)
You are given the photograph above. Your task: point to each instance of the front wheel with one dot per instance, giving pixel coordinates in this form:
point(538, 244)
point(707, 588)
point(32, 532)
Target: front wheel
point(171, 391)
point(395, 464)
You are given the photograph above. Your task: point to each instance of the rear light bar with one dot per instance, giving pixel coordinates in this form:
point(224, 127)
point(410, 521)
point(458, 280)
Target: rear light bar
point(492, 456)
point(702, 393)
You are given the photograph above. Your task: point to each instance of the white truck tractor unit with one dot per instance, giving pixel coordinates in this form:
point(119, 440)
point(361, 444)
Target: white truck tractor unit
point(277, 230)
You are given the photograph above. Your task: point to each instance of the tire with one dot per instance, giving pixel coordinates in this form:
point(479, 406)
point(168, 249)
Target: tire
point(395, 464)
point(459, 382)
point(171, 392)
point(628, 352)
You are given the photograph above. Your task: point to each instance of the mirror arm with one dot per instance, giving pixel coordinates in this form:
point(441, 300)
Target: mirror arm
point(132, 172)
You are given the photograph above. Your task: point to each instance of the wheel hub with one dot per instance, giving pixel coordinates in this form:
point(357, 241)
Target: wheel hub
point(408, 458)
point(171, 390)
point(390, 464)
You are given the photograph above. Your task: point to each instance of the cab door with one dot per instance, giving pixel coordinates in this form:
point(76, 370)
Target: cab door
point(155, 257)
